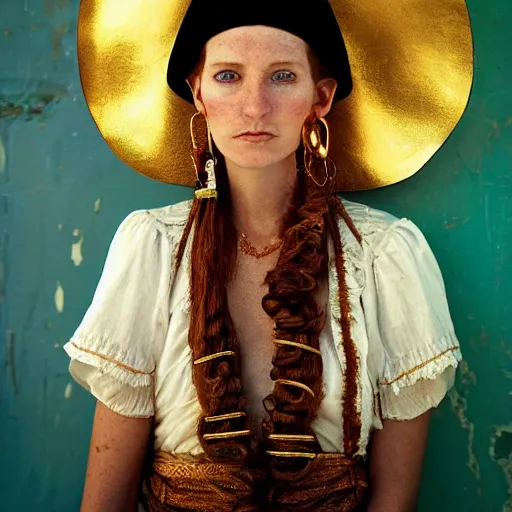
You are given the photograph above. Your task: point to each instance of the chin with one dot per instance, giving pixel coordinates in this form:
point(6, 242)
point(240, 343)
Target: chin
point(256, 158)
point(254, 163)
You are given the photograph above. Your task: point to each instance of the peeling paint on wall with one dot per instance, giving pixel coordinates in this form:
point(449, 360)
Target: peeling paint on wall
point(59, 298)
point(501, 453)
point(460, 407)
point(68, 391)
point(50, 6)
point(27, 8)
point(11, 361)
point(468, 377)
point(27, 99)
point(76, 249)
point(58, 33)
point(3, 157)
point(4, 242)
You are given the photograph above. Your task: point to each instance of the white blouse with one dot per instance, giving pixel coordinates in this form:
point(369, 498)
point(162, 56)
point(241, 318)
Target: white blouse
point(131, 350)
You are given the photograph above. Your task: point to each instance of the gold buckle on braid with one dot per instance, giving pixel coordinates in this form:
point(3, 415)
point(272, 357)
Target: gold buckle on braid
point(296, 384)
point(214, 356)
point(306, 455)
point(223, 417)
point(299, 345)
point(227, 435)
point(292, 437)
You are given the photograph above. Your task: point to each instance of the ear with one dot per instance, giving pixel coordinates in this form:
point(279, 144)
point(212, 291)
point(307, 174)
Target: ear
point(326, 89)
point(195, 86)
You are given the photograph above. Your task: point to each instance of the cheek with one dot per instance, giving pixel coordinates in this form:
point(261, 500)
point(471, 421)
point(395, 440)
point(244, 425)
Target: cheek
point(218, 105)
point(292, 116)
point(215, 110)
point(222, 117)
point(298, 106)
point(294, 105)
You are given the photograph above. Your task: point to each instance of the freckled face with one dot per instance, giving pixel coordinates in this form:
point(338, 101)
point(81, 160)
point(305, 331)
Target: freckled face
point(256, 89)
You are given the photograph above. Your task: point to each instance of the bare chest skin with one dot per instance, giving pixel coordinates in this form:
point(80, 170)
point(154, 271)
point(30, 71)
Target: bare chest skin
point(254, 329)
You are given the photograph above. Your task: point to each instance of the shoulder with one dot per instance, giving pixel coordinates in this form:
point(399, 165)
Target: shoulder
point(375, 226)
point(168, 221)
point(171, 215)
point(151, 234)
point(394, 246)
point(369, 221)
point(384, 234)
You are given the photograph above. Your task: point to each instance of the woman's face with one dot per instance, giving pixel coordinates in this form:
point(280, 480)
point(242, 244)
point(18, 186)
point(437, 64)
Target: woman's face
point(256, 88)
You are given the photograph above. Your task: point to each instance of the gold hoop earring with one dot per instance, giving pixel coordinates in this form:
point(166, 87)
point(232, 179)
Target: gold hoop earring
point(315, 138)
point(203, 158)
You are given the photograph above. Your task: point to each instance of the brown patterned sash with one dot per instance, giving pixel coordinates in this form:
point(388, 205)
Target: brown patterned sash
point(331, 482)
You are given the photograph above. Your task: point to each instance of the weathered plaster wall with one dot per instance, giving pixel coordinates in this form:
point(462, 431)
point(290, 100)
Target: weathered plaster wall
point(63, 193)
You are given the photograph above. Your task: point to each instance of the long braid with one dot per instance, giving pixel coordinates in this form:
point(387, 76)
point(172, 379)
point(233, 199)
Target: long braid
point(292, 305)
point(218, 381)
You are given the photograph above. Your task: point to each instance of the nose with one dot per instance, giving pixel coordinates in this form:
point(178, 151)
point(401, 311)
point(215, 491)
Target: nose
point(256, 102)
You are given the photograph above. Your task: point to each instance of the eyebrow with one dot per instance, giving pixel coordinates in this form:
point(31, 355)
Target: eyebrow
point(239, 65)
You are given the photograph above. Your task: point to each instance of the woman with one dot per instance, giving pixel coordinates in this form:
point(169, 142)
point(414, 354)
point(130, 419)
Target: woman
point(254, 341)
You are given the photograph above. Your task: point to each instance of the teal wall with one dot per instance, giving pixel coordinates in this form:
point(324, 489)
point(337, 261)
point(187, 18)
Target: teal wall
point(60, 185)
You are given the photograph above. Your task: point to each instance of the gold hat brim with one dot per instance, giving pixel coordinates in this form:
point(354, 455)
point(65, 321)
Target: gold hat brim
point(412, 65)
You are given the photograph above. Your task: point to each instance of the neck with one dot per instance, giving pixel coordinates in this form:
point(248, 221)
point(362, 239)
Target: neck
point(260, 198)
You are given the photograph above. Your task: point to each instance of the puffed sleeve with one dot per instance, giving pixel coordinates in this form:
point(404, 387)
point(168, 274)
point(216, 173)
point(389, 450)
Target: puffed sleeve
point(115, 348)
point(420, 351)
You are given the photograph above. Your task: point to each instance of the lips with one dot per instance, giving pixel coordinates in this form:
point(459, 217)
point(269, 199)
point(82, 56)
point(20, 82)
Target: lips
point(255, 136)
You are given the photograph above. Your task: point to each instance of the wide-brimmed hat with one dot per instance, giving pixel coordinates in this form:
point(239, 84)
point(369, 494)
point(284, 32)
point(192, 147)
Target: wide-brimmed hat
point(411, 65)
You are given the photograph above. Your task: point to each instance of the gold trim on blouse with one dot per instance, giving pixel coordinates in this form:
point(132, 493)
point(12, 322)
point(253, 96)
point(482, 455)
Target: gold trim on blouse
point(418, 367)
point(111, 360)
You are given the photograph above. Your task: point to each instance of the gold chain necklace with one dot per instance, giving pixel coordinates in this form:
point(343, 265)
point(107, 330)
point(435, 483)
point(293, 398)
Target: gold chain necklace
point(247, 248)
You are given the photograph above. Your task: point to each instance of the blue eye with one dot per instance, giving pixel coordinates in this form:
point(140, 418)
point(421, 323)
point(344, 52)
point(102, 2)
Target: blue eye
point(226, 76)
point(283, 76)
